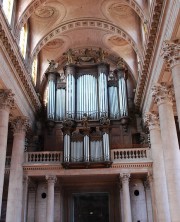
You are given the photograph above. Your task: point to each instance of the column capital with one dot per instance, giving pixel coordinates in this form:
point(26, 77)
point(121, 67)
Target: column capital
point(162, 93)
point(6, 99)
point(171, 52)
point(151, 120)
point(125, 177)
point(51, 178)
point(20, 124)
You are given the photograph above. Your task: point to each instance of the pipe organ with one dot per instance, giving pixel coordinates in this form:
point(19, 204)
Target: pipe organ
point(84, 91)
point(80, 97)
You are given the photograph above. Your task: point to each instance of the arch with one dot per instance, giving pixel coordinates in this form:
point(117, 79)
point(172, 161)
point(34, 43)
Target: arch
point(85, 23)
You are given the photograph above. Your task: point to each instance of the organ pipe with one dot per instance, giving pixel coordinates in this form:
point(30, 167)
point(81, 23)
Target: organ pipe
point(60, 100)
point(51, 96)
point(122, 93)
point(103, 70)
point(86, 148)
point(66, 148)
point(113, 104)
point(106, 146)
point(70, 91)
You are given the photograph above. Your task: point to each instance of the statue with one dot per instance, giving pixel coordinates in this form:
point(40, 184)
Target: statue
point(104, 120)
point(69, 56)
point(101, 54)
point(85, 120)
point(52, 66)
point(120, 63)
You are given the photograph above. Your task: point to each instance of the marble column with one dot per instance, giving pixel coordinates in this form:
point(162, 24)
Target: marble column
point(15, 190)
point(159, 175)
point(172, 56)
point(6, 103)
point(126, 197)
point(148, 201)
point(50, 198)
point(25, 198)
point(163, 96)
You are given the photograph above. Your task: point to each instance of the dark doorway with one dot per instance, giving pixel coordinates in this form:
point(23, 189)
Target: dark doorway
point(91, 207)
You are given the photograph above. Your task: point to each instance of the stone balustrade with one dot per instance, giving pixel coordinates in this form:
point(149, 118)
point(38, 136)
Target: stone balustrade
point(133, 154)
point(43, 157)
point(117, 155)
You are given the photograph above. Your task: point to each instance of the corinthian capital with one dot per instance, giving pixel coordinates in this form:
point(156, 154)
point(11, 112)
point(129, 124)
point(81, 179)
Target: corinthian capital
point(151, 120)
point(51, 178)
point(171, 52)
point(125, 177)
point(20, 124)
point(6, 99)
point(162, 93)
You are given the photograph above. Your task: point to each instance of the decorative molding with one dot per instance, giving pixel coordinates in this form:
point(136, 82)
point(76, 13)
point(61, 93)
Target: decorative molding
point(12, 52)
point(163, 93)
point(85, 23)
point(151, 120)
point(156, 14)
point(6, 99)
point(171, 52)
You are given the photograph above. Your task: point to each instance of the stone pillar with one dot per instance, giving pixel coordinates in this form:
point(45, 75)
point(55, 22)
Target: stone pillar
point(148, 201)
point(126, 197)
point(159, 175)
point(15, 191)
point(6, 102)
point(162, 94)
point(154, 209)
point(25, 198)
point(172, 56)
point(50, 198)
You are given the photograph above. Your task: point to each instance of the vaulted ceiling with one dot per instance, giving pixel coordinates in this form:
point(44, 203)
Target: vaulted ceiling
point(56, 26)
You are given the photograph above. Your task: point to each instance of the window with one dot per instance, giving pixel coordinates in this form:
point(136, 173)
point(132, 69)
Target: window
point(34, 70)
point(23, 40)
point(7, 7)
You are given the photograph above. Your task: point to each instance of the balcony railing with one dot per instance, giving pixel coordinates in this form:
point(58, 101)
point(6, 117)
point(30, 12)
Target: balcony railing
point(126, 155)
point(52, 157)
point(131, 155)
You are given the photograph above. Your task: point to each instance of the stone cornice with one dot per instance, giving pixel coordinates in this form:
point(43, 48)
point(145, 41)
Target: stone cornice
point(11, 50)
point(156, 12)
